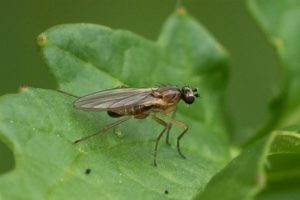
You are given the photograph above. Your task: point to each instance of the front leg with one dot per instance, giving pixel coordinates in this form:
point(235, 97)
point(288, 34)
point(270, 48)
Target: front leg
point(170, 126)
point(180, 124)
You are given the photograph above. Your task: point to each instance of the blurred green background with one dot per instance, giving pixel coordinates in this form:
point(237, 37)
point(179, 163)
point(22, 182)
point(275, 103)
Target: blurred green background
point(254, 73)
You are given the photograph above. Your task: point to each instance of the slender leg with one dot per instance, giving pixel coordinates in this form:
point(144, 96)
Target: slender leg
point(66, 93)
point(103, 129)
point(160, 121)
point(178, 142)
point(180, 124)
point(170, 126)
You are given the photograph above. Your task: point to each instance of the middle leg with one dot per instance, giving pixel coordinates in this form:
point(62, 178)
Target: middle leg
point(170, 126)
point(165, 125)
point(183, 126)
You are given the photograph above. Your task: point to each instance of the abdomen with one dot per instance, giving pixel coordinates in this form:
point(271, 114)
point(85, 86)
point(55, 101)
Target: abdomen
point(134, 110)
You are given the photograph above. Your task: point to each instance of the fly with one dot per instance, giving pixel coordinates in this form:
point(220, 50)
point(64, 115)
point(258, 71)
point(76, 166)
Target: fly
point(138, 103)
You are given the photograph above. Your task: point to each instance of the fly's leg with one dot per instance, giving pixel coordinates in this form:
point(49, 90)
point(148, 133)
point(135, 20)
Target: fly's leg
point(178, 142)
point(165, 125)
point(69, 94)
point(170, 126)
point(103, 129)
point(182, 125)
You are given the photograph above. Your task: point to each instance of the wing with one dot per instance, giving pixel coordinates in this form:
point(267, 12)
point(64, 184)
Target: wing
point(116, 98)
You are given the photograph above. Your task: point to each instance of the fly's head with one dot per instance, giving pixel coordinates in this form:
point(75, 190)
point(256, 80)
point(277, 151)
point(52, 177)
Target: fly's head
point(188, 94)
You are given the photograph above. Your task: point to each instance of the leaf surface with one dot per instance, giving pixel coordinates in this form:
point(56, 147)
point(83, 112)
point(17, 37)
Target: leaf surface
point(260, 171)
point(280, 20)
point(40, 125)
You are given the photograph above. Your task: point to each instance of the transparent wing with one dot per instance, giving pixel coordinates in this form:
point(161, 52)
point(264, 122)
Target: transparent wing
point(115, 98)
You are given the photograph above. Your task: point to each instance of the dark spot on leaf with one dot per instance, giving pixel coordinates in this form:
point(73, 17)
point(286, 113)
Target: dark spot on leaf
point(41, 40)
point(260, 179)
point(23, 87)
point(88, 171)
point(166, 192)
point(180, 10)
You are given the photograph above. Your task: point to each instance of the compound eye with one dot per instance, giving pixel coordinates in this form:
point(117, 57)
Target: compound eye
point(189, 99)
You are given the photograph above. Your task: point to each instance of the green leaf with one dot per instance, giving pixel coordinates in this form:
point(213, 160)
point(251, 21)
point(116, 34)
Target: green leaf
point(269, 168)
point(40, 125)
point(260, 167)
point(280, 20)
